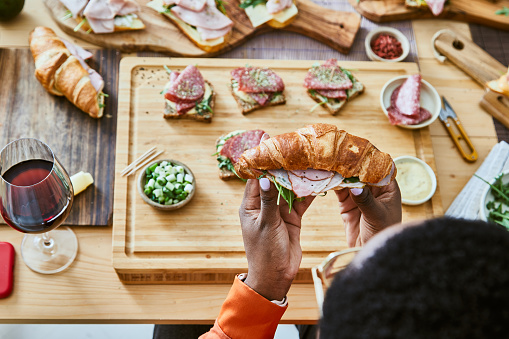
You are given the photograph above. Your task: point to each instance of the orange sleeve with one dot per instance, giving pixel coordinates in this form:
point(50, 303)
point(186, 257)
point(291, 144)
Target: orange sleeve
point(245, 315)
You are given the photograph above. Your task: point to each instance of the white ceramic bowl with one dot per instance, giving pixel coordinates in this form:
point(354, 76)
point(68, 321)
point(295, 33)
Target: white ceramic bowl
point(141, 185)
point(373, 34)
point(487, 196)
point(429, 99)
point(430, 173)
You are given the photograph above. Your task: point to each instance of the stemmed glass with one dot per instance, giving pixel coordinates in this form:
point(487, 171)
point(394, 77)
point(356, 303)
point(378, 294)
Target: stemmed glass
point(36, 196)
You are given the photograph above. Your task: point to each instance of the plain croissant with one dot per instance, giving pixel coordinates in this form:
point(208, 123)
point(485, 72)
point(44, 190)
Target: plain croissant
point(321, 147)
point(61, 73)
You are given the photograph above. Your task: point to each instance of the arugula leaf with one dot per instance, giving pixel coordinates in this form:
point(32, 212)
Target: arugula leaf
point(168, 70)
point(248, 3)
point(503, 11)
point(324, 101)
point(220, 6)
point(352, 180)
point(497, 214)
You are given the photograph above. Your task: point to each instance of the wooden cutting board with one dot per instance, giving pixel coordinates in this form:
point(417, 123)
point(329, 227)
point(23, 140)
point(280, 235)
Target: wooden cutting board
point(334, 28)
point(481, 66)
point(202, 242)
point(80, 142)
point(475, 11)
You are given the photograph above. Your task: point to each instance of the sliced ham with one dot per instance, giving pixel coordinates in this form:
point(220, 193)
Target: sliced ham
point(302, 187)
point(327, 76)
point(385, 181)
point(77, 50)
point(95, 78)
point(407, 99)
point(75, 6)
point(210, 34)
point(352, 185)
point(209, 18)
point(100, 9)
point(256, 80)
point(281, 177)
point(192, 5)
point(101, 26)
point(313, 174)
point(436, 6)
point(129, 7)
point(336, 180)
point(276, 6)
point(319, 186)
point(189, 86)
point(333, 94)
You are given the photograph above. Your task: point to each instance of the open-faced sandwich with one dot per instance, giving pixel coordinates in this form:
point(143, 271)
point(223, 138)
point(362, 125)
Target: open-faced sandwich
point(229, 148)
point(188, 96)
point(61, 69)
point(436, 6)
point(256, 87)
point(104, 16)
point(501, 85)
point(405, 106)
point(332, 86)
point(204, 22)
point(314, 160)
point(275, 13)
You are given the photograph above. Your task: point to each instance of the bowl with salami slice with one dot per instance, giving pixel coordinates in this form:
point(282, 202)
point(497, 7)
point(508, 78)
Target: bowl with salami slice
point(410, 102)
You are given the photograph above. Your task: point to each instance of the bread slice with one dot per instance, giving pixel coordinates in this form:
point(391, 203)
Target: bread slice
point(224, 173)
point(136, 25)
point(248, 105)
point(192, 34)
point(195, 113)
point(335, 105)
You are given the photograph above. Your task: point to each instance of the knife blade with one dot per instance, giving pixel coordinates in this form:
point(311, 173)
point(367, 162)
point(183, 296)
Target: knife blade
point(446, 113)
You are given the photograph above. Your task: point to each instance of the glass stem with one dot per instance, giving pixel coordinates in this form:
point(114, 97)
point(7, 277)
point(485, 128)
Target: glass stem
point(48, 243)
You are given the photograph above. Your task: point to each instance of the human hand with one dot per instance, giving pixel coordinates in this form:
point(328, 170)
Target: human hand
point(271, 238)
point(367, 211)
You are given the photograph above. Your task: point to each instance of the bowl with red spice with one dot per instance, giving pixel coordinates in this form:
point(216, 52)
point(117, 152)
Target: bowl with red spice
point(387, 44)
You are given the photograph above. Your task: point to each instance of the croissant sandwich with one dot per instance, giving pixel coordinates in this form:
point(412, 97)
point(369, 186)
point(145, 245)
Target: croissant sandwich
point(316, 159)
point(62, 71)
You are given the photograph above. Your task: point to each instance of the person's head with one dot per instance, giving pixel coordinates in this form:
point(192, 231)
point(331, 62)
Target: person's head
point(444, 278)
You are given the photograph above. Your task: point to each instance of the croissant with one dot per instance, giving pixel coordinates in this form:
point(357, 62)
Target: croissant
point(61, 73)
point(319, 147)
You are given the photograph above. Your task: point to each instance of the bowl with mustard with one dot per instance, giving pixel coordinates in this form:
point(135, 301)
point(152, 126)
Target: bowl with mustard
point(416, 179)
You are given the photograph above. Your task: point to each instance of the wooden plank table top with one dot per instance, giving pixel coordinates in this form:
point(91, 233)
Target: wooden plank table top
point(90, 291)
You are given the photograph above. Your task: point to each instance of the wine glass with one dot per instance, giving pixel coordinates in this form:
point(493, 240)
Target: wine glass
point(36, 196)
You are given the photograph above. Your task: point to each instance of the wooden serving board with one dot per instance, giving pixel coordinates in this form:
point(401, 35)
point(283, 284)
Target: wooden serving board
point(481, 66)
point(201, 242)
point(475, 11)
point(80, 142)
point(334, 28)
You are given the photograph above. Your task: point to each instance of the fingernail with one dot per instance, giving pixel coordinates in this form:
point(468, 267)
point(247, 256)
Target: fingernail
point(356, 191)
point(265, 184)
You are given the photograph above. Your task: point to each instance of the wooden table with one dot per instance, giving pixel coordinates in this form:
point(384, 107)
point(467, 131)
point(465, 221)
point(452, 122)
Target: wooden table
point(90, 291)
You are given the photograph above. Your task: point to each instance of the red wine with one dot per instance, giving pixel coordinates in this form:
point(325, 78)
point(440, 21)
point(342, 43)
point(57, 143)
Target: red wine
point(36, 200)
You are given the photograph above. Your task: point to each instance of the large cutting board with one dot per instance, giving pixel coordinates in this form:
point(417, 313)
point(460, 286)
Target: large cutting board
point(475, 11)
point(80, 142)
point(334, 28)
point(202, 243)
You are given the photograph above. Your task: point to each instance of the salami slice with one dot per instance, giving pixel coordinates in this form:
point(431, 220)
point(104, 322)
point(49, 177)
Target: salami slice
point(189, 86)
point(256, 80)
point(184, 107)
point(235, 146)
point(261, 98)
point(332, 93)
point(327, 76)
point(408, 96)
point(396, 118)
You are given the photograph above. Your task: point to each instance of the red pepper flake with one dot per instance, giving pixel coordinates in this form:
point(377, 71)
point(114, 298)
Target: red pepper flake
point(386, 46)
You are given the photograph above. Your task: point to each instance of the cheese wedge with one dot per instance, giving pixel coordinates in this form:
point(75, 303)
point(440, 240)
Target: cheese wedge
point(80, 181)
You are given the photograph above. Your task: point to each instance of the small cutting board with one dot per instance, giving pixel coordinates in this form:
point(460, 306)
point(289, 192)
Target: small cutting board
point(80, 142)
point(481, 66)
point(475, 11)
point(334, 28)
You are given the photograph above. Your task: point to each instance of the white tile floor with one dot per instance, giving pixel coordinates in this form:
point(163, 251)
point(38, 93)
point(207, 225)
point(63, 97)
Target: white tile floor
point(101, 332)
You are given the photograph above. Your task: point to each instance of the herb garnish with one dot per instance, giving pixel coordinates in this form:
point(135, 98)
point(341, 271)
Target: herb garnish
point(220, 6)
point(67, 15)
point(503, 11)
point(168, 70)
point(288, 195)
point(248, 3)
point(77, 28)
point(497, 214)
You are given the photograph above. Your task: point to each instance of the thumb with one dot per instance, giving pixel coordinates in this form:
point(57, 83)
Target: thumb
point(269, 213)
point(367, 203)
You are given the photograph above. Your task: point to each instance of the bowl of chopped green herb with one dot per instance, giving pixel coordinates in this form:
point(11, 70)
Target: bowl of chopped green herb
point(166, 184)
point(495, 200)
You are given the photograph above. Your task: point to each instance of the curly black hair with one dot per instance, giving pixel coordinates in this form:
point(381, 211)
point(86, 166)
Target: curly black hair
point(446, 278)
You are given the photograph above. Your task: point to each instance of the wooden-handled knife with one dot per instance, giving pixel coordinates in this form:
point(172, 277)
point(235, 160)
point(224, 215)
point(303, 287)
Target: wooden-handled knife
point(447, 113)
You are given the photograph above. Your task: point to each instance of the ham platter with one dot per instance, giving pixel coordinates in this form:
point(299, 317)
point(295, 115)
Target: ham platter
point(202, 242)
point(337, 29)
